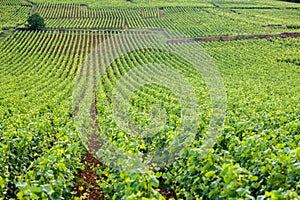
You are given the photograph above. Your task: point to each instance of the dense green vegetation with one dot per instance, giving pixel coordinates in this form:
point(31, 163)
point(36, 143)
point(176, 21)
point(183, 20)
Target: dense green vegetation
point(35, 22)
point(12, 16)
point(260, 139)
point(257, 155)
point(213, 22)
point(151, 3)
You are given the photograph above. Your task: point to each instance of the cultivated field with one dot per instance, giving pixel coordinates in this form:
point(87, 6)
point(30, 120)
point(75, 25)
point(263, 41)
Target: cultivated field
point(150, 100)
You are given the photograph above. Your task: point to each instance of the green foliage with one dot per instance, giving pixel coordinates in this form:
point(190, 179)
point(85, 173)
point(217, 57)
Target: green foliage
point(186, 20)
point(175, 3)
point(258, 154)
point(36, 22)
point(40, 151)
point(12, 16)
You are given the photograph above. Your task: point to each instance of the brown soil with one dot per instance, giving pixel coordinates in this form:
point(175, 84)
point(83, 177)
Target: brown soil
point(87, 184)
point(161, 13)
point(125, 24)
point(236, 37)
point(276, 27)
point(87, 180)
point(168, 194)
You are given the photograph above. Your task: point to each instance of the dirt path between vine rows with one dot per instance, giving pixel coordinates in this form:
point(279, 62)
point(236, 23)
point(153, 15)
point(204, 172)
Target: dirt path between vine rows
point(88, 180)
point(236, 37)
point(87, 185)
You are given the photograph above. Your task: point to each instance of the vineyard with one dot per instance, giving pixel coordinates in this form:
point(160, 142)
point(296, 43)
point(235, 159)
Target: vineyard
point(108, 101)
point(186, 20)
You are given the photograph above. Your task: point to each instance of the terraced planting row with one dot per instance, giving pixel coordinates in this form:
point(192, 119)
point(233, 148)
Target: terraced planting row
point(274, 17)
point(213, 21)
point(257, 154)
point(190, 21)
point(12, 16)
point(57, 11)
point(131, 4)
point(13, 3)
point(202, 3)
point(268, 4)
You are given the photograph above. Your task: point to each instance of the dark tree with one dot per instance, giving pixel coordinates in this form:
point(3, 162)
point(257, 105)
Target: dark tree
point(36, 22)
point(295, 1)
